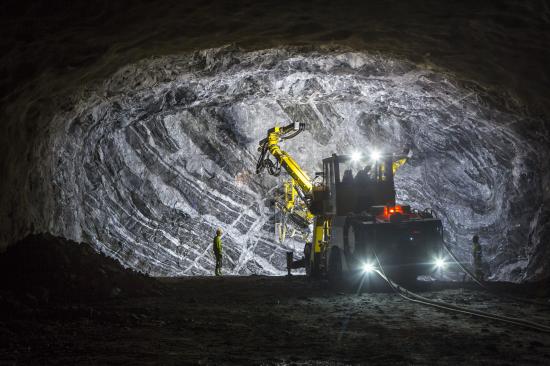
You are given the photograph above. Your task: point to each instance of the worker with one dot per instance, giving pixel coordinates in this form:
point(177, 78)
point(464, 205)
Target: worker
point(217, 246)
point(477, 258)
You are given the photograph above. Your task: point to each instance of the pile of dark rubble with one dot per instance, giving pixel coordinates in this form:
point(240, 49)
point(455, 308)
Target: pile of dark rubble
point(43, 268)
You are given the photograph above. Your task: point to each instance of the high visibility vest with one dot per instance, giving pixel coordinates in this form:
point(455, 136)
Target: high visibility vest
point(217, 244)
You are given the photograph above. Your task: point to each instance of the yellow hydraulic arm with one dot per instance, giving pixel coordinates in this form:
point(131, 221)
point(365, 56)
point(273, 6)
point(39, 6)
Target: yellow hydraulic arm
point(301, 185)
point(271, 144)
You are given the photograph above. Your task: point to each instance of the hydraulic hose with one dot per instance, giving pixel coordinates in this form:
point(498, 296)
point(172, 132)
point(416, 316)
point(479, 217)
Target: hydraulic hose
point(479, 283)
point(264, 162)
point(413, 297)
point(291, 135)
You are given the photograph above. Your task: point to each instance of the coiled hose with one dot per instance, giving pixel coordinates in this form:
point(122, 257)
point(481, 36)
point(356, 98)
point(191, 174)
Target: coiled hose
point(413, 297)
point(480, 284)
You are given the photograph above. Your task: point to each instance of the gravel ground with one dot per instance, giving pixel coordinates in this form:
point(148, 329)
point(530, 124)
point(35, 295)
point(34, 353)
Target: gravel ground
point(269, 320)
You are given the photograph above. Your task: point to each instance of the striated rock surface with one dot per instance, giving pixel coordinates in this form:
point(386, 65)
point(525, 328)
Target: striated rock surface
point(147, 164)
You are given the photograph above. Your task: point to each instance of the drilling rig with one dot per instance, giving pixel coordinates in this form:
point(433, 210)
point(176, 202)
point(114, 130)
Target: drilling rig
point(351, 209)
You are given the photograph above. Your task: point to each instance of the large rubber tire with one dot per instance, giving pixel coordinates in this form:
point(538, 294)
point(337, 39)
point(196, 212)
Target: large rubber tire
point(334, 268)
point(316, 266)
point(349, 244)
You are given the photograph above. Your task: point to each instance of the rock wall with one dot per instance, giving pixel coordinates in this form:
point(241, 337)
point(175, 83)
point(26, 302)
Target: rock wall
point(146, 164)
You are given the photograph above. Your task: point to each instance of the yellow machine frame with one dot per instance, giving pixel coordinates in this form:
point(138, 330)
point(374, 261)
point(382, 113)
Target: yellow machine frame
point(300, 184)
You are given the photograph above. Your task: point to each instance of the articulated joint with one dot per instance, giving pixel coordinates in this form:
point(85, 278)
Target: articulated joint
point(291, 166)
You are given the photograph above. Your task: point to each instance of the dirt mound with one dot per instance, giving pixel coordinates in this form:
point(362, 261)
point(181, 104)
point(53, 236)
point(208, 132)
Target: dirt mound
point(46, 268)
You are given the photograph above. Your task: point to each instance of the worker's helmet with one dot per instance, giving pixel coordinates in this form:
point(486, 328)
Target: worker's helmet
point(219, 231)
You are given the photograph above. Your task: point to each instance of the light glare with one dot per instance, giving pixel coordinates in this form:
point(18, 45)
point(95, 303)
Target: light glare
point(368, 267)
point(375, 155)
point(440, 263)
point(355, 156)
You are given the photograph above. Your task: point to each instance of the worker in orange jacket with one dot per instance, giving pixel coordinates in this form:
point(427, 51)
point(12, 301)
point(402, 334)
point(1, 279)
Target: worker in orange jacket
point(217, 246)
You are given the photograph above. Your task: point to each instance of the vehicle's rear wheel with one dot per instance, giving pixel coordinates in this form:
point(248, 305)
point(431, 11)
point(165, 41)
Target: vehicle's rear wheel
point(316, 265)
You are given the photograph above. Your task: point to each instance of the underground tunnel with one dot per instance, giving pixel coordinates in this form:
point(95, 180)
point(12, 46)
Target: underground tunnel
point(139, 148)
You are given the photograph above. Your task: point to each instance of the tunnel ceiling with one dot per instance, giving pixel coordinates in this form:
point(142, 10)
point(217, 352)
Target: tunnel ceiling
point(144, 155)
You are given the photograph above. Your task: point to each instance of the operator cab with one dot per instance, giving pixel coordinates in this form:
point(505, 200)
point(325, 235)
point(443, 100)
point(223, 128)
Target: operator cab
point(356, 186)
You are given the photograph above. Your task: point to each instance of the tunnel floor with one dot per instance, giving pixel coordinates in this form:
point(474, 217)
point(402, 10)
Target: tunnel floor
point(270, 320)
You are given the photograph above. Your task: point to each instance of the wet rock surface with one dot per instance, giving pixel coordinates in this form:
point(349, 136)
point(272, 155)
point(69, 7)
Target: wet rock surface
point(274, 320)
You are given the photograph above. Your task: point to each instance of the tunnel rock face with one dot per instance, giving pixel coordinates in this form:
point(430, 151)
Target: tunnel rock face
point(147, 164)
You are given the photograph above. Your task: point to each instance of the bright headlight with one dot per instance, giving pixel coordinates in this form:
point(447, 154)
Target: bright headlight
point(375, 155)
point(355, 156)
point(368, 267)
point(440, 263)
